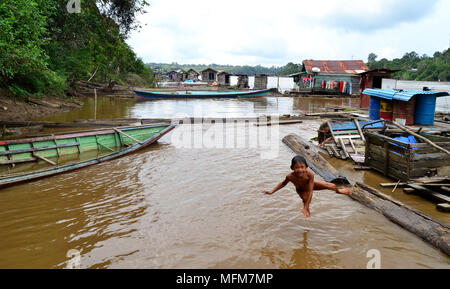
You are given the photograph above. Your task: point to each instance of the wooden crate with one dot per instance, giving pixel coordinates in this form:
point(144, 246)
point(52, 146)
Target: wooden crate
point(404, 161)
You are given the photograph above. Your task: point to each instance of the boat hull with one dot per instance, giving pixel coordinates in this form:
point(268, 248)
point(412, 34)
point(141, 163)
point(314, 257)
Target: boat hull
point(128, 145)
point(203, 94)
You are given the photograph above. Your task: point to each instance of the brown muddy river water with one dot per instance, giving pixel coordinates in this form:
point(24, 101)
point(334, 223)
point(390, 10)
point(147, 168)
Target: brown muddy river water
point(195, 204)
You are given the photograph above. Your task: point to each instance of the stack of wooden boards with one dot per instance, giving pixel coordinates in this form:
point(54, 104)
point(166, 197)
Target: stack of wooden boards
point(349, 141)
point(436, 189)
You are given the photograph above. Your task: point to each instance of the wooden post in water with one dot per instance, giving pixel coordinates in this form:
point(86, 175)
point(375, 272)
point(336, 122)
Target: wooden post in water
point(278, 83)
point(95, 103)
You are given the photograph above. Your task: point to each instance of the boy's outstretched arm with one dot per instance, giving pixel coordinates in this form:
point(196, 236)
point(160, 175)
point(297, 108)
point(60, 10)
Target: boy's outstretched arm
point(278, 187)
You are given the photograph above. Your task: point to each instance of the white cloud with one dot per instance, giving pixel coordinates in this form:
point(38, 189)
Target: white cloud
point(243, 32)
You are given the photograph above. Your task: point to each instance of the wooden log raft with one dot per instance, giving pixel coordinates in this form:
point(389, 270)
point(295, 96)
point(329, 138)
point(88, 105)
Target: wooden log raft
point(413, 220)
point(426, 227)
point(315, 161)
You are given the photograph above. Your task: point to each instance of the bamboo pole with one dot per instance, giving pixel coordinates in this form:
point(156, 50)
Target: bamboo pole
point(420, 137)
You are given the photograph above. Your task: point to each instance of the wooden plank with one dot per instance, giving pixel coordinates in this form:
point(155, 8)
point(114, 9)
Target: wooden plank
point(429, 185)
point(426, 227)
point(396, 185)
point(428, 156)
point(430, 163)
point(329, 150)
point(386, 158)
point(344, 149)
point(348, 136)
point(8, 162)
point(359, 129)
point(56, 144)
point(27, 150)
point(393, 172)
point(353, 146)
point(343, 156)
point(127, 135)
point(78, 146)
point(281, 122)
point(443, 207)
point(331, 130)
point(389, 139)
point(335, 151)
point(425, 145)
point(420, 172)
point(357, 158)
point(379, 153)
point(387, 185)
point(44, 159)
point(367, 148)
point(409, 191)
point(437, 196)
point(345, 132)
point(102, 145)
point(361, 168)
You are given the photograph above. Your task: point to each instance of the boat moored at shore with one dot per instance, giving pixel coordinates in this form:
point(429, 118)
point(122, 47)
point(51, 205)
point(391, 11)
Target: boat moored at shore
point(204, 94)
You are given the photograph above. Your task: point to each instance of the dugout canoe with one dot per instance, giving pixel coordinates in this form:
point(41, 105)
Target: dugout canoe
point(203, 94)
point(32, 158)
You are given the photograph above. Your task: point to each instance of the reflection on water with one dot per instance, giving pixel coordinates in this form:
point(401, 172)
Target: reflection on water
point(174, 207)
point(169, 207)
point(110, 107)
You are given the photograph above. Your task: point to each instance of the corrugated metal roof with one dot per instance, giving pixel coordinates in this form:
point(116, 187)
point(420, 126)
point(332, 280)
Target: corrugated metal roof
point(381, 70)
point(402, 95)
point(209, 69)
point(336, 66)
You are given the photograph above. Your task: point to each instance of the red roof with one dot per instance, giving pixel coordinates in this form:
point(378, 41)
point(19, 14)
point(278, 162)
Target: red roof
point(336, 66)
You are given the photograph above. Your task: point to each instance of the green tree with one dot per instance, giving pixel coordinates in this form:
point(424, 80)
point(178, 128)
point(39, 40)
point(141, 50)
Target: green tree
point(44, 48)
point(372, 57)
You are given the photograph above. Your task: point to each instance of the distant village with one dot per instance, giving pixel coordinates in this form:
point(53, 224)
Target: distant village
point(332, 77)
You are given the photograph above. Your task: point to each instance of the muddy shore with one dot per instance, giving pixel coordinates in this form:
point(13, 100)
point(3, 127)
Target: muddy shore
point(15, 109)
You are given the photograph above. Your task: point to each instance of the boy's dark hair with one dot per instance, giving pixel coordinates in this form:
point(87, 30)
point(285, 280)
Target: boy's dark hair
point(298, 159)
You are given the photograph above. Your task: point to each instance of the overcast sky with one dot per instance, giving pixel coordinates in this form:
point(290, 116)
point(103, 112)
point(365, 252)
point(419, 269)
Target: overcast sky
point(275, 32)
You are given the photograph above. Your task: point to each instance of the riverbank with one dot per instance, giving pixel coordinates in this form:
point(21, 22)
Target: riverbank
point(16, 109)
point(33, 108)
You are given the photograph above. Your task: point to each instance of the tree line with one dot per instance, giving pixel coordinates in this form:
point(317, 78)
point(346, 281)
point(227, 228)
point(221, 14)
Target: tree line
point(289, 68)
point(45, 48)
point(412, 66)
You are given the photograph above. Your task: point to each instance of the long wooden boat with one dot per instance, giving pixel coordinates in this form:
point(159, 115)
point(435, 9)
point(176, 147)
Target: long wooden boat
point(32, 158)
point(203, 94)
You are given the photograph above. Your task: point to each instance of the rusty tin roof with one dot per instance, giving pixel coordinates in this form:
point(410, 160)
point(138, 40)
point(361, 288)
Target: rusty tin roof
point(336, 66)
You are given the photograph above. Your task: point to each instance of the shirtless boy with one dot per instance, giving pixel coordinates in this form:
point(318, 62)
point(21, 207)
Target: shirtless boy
point(303, 179)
